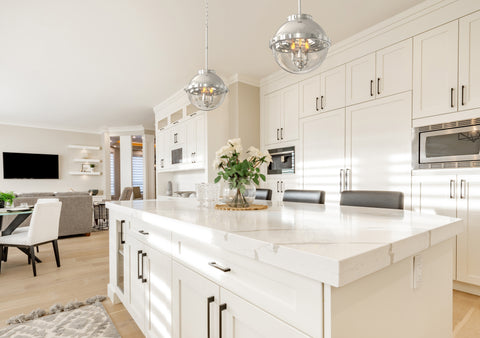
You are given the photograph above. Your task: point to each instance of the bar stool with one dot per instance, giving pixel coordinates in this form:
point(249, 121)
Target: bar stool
point(372, 199)
point(304, 196)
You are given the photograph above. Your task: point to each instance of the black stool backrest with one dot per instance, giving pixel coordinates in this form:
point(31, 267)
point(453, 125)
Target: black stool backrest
point(372, 199)
point(263, 194)
point(304, 196)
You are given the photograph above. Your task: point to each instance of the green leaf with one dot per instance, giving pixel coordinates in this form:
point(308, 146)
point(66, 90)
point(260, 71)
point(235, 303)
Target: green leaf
point(217, 179)
point(263, 177)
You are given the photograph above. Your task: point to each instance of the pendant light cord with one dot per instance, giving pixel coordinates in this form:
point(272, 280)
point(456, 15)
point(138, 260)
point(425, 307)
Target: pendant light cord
point(206, 34)
point(299, 7)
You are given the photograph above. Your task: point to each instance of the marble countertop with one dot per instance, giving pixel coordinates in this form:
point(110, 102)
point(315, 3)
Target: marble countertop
point(332, 244)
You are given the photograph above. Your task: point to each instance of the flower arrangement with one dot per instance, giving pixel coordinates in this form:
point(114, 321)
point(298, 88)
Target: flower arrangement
point(239, 169)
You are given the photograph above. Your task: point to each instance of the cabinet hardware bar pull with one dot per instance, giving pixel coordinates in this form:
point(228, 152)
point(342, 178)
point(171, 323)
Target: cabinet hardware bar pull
point(451, 97)
point(282, 187)
point(278, 130)
point(221, 308)
point(371, 88)
point(378, 86)
point(463, 189)
point(281, 133)
point(122, 241)
point(341, 180)
point(316, 103)
point(347, 179)
point(277, 186)
point(463, 95)
point(452, 189)
point(139, 252)
point(143, 232)
point(322, 107)
point(144, 280)
point(219, 267)
point(209, 301)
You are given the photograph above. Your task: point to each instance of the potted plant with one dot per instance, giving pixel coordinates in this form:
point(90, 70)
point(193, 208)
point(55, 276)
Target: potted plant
point(240, 171)
point(6, 198)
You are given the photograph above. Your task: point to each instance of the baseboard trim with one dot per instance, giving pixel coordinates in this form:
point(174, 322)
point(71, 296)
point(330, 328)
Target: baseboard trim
point(465, 287)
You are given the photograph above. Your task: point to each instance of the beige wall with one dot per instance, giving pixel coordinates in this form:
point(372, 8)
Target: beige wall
point(48, 141)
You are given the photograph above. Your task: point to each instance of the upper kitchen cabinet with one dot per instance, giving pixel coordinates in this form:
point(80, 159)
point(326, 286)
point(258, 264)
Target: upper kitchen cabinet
point(195, 140)
point(323, 92)
point(469, 62)
point(385, 72)
point(281, 115)
point(435, 59)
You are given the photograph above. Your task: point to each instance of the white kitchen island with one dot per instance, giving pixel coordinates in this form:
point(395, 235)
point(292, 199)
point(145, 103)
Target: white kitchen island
point(292, 270)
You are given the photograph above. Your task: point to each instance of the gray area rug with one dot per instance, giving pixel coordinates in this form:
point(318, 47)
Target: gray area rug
point(86, 321)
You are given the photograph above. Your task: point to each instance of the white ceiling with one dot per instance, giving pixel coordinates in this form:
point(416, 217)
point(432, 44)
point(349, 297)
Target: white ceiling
point(90, 64)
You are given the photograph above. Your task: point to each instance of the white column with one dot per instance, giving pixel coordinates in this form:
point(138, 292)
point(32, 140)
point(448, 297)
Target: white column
point(148, 167)
point(125, 161)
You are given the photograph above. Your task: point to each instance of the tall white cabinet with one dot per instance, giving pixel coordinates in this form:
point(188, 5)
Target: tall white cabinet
point(469, 62)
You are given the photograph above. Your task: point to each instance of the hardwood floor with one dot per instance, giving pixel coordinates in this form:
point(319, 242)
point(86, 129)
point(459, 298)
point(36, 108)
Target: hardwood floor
point(84, 273)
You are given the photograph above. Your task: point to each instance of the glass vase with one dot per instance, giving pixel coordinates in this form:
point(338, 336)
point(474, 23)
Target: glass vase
point(241, 197)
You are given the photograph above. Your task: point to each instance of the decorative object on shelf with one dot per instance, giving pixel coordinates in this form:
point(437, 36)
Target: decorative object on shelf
point(6, 199)
point(300, 45)
point(239, 173)
point(206, 90)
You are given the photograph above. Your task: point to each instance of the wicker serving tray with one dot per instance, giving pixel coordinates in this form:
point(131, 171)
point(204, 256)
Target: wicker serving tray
point(252, 207)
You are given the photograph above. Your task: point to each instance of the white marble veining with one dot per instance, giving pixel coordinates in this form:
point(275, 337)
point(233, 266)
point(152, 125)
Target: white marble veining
point(332, 244)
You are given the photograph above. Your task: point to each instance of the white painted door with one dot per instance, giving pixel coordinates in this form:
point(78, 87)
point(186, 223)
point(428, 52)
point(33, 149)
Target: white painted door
point(273, 114)
point(394, 69)
point(289, 125)
point(201, 140)
point(158, 309)
point(360, 80)
point(241, 319)
point(435, 56)
point(161, 150)
point(191, 143)
point(332, 89)
point(195, 300)
point(309, 96)
point(379, 145)
point(273, 183)
point(324, 153)
point(468, 248)
point(137, 288)
point(469, 62)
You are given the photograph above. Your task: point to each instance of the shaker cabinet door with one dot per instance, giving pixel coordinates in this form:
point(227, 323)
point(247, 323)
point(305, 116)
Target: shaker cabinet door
point(309, 96)
point(273, 115)
point(469, 62)
point(360, 80)
point(289, 125)
point(332, 89)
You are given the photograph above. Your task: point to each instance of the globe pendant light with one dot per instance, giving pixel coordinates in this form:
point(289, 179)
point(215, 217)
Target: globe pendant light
point(206, 90)
point(300, 45)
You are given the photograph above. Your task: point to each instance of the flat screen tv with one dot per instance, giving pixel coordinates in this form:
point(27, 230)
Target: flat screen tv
point(24, 165)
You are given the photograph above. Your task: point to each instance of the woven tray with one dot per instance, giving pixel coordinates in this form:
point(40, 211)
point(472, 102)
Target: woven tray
point(252, 207)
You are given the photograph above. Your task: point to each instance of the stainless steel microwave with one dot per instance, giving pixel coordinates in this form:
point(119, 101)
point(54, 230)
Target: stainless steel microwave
point(283, 161)
point(447, 145)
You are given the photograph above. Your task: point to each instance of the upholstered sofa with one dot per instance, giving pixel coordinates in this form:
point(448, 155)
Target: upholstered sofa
point(76, 216)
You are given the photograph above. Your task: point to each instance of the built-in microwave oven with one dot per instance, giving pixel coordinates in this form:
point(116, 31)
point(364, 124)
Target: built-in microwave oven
point(447, 145)
point(283, 161)
point(177, 155)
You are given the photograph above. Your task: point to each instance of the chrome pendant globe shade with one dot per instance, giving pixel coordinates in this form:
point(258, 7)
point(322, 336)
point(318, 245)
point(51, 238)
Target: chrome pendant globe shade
point(300, 45)
point(206, 90)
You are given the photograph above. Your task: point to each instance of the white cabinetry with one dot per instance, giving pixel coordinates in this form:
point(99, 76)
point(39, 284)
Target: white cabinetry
point(386, 72)
point(195, 139)
point(455, 196)
point(323, 92)
point(281, 115)
point(435, 56)
point(162, 152)
point(279, 183)
point(469, 62)
point(323, 165)
point(378, 145)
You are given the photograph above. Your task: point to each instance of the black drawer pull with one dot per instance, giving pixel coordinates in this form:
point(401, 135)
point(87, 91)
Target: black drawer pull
point(143, 232)
point(219, 267)
point(221, 308)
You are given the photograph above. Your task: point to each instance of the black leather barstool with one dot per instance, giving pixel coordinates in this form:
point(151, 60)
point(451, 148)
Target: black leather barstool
point(263, 194)
point(372, 199)
point(304, 196)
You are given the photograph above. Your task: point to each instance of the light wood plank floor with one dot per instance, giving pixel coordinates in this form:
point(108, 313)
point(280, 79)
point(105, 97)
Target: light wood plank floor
point(84, 273)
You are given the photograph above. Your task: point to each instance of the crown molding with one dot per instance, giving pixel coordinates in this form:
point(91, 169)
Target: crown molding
point(252, 81)
point(25, 125)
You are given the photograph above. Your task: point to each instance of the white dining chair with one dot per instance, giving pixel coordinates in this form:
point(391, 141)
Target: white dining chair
point(43, 229)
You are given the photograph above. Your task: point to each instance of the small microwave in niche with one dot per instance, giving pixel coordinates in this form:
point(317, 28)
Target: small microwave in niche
point(177, 155)
point(283, 161)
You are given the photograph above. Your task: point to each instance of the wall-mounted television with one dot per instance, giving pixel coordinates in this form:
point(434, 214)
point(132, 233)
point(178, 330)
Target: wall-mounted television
point(25, 165)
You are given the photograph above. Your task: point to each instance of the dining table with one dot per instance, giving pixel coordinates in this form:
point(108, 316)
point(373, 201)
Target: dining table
point(21, 214)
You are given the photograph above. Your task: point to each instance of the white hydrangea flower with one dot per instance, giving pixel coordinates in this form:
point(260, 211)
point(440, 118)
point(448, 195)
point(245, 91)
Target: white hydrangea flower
point(236, 143)
point(268, 157)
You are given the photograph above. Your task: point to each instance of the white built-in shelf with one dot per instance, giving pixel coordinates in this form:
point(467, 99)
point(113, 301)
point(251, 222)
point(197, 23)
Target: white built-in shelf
point(79, 146)
point(95, 173)
point(87, 160)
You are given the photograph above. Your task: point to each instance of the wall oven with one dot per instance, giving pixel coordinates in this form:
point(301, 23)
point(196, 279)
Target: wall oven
point(283, 161)
point(447, 145)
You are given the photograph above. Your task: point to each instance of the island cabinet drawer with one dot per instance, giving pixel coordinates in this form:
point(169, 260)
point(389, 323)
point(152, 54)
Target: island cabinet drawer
point(152, 235)
point(294, 299)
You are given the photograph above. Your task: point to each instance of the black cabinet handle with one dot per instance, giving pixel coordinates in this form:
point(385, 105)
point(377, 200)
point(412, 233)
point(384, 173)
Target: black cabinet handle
point(143, 232)
point(378, 86)
point(277, 134)
point(316, 103)
point(175, 138)
point(144, 280)
point(371, 87)
point(463, 95)
point(209, 301)
point(221, 308)
point(451, 97)
point(463, 190)
point(281, 133)
point(277, 186)
point(122, 241)
point(139, 253)
point(322, 107)
point(219, 267)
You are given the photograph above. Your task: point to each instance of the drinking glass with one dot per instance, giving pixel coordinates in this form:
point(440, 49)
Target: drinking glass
point(201, 191)
point(213, 194)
